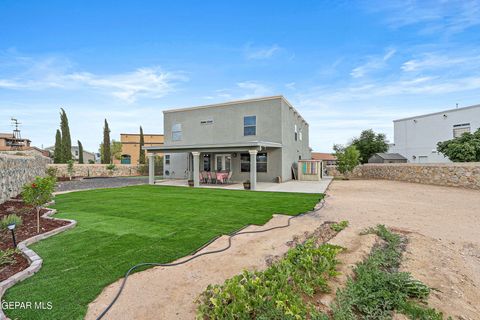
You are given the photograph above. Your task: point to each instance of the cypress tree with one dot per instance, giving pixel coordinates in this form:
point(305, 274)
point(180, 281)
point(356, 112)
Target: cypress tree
point(66, 140)
point(106, 154)
point(80, 152)
point(57, 152)
point(141, 158)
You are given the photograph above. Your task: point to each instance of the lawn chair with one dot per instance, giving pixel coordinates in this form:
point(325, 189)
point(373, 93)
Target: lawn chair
point(213, 177)
point(204, 177)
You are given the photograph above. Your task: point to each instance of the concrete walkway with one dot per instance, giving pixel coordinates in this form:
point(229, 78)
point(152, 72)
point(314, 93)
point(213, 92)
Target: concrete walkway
point(289, 186)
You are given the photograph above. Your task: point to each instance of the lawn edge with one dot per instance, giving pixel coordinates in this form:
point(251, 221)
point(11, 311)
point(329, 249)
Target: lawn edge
point(35, 260)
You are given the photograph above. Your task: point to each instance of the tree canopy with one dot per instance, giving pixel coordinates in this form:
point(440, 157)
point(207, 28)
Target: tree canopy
point(106, 156)
point(80, 152)
point(141, 158)
point(465, 148)
point(347, 158)
point(66, 149)
point(57, 152)
point(370, 143)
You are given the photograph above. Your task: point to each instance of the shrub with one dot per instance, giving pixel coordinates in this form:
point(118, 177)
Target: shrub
point(339, 226)
point(110, 167)
point(276, 293)
point(348, 158)
point(6, 256)
point(38, 193)
point(70, 169)
point(10, 219)
point(52, 172)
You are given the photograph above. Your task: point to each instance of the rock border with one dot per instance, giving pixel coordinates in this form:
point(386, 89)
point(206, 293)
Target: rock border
point(35, 260)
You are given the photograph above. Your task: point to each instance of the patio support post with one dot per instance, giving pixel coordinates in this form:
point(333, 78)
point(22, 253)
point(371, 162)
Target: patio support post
point(151, 168)
point(196, 165)
point(253, 169)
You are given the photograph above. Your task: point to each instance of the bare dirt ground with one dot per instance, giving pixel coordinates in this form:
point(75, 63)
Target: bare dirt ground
point(444, 250)
point(443, 227)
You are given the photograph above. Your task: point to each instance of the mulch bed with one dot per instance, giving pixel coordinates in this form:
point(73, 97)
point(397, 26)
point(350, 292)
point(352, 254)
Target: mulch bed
point(27, 230)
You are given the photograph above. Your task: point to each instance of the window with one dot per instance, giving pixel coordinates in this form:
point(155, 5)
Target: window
point(206, 162)
point(167, 159)
point(261, 162)
point(249, 125)
point(296, 133)
point(300, 135)
point(460, 129)
point(177, 132)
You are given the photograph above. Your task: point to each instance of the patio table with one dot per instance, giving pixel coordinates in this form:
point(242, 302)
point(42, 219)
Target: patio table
point(222, 176)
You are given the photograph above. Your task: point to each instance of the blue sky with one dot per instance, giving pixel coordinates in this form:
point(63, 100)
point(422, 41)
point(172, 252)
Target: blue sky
point(345, 65)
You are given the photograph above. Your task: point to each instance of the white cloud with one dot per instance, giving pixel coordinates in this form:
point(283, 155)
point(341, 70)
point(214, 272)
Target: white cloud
point(373, 63)
point(446, 17)
point(253, 89)
point(253, 53)
point(47, 73)
point(437, 61)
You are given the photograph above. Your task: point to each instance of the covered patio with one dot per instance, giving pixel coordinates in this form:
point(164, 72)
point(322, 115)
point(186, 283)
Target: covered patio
point(289, 186)
point(217, 162)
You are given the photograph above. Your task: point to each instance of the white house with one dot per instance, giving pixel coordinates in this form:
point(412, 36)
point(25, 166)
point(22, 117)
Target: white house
point(416, 138)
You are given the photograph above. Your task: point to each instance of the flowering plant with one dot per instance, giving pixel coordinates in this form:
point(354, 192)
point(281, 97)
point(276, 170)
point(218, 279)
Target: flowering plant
point(38, 193)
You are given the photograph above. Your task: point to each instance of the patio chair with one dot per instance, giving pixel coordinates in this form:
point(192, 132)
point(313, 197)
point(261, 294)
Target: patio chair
point(229, 177)
point(204, 177)
point(213, 176)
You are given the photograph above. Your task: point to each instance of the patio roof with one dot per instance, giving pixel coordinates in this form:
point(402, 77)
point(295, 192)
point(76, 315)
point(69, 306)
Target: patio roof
point(239, 146)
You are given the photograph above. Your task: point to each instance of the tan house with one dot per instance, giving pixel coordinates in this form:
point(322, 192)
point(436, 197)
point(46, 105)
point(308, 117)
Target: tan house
point(327, 158)
point(131, 146)
point(8, 141)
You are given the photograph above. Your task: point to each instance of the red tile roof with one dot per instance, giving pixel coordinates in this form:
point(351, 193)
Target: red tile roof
point(323, 156)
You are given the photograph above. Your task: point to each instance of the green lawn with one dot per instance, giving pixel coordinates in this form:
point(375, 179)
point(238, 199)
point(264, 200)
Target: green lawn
point(120, 227)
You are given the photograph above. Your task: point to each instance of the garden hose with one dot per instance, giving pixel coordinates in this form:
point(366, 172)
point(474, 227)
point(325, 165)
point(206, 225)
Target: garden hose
point(195, 256)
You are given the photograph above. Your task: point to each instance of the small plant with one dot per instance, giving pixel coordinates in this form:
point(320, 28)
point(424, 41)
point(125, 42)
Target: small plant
point(52, 172)
point(110, 167)
point(70, 169)
point(10, 219)
point(38, 193)
point(247, 185)
point(337, 227)
point(6, 257)
point(378, 289)
point(279, 292)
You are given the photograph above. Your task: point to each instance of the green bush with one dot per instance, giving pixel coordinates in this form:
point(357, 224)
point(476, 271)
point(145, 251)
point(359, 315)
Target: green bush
point(52, 173)
point(339, 226)
point(276, 293)
point(10, 219)
point(6, 256)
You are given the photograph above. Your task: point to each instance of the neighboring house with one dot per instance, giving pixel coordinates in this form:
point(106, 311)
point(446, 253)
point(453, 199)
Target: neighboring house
point(87, 156)
point(416, 138)
point(131, 146)
point(257, 139)
point(387, 158)
point(7, 140)
point(327, 158)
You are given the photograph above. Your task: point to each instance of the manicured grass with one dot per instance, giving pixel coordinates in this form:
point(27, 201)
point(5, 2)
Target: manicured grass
point(118, 228)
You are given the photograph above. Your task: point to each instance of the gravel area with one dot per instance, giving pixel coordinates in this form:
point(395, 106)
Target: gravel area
point(97, 183)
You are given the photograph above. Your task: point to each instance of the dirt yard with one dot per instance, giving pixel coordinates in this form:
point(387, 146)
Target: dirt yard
point(442, 225)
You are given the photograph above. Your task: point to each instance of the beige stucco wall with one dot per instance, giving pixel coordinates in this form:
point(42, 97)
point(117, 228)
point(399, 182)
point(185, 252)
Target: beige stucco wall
point(466, 175)
point(131, 145)
point(96, 170)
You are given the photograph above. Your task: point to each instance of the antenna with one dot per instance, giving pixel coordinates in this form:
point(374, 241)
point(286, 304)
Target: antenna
point(17, 142)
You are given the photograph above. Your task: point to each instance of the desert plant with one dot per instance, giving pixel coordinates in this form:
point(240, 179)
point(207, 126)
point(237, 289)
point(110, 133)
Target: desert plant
point(6, 256)
point(10, 219)
point(110, 167)
point(37, 193)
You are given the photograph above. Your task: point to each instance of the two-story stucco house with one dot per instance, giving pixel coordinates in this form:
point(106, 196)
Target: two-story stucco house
point(256, 139)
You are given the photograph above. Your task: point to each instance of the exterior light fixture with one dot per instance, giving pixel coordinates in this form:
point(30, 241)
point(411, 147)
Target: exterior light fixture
point(12, 227)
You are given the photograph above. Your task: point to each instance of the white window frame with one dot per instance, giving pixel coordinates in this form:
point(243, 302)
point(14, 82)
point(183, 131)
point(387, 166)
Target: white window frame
point(224, 161)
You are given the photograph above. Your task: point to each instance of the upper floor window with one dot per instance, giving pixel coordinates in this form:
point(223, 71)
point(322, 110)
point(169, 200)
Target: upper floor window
point(460, 129)
point(296, 133)
point(249, 125)
point(177, 132)
point(300, 135)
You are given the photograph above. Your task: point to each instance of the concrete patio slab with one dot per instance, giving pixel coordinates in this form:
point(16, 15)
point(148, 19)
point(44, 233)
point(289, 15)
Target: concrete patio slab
point(289, 186)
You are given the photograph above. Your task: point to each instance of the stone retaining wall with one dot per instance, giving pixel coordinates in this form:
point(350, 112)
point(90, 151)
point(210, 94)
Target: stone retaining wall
point(15, 171)
point(466, 175)
point(97, 170)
